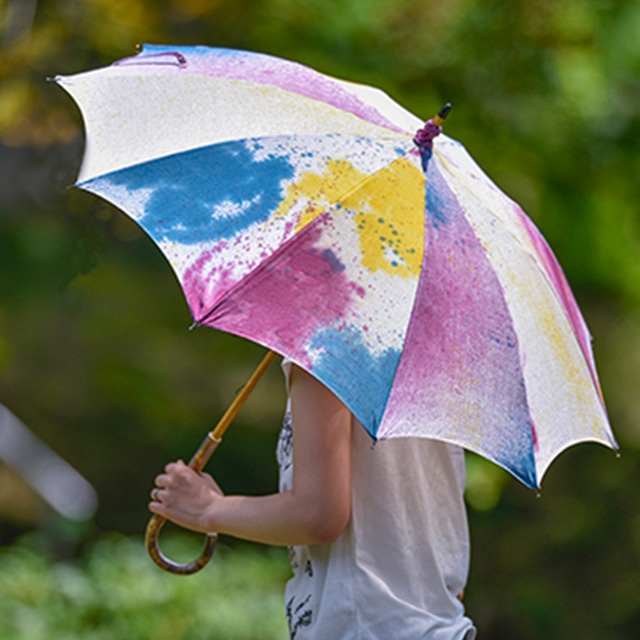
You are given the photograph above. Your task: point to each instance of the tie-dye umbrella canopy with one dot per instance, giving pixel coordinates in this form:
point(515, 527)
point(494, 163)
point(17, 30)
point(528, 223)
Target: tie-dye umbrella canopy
point(305, 214)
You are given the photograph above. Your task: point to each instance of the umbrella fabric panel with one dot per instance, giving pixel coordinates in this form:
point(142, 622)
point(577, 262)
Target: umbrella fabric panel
point(559, 376)
point(460, 378)
point(561, 286)
point(337, 299)
point(185, 120)
point(466, 175)
point(367, 103)
point(212, 98)
point(218, 212)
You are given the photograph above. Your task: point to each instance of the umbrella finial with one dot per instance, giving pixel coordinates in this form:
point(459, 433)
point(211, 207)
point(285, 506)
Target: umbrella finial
point(440, 117)
point(432, 128)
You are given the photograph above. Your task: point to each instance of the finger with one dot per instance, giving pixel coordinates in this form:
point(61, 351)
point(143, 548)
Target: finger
point(158, 508)
point(162, 481)
point(172, 466)
point(155, 495)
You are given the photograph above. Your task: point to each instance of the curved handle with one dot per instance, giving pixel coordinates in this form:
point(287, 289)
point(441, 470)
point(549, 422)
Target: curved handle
point(156, 523)
point(197, 462)
point(151, 540)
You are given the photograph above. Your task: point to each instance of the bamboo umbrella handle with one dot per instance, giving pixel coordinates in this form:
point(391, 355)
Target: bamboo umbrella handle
point(197, 462)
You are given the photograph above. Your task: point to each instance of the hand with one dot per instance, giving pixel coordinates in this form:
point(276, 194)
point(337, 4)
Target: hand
point(185, 496)
point(317, 507)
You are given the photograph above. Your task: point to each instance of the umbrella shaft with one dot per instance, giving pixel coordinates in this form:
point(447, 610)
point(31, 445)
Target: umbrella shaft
point(236, 405)
point(214, 437)
point(202, 455)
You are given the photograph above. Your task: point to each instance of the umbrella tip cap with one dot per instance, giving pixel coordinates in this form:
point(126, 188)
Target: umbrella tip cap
point(441, 116)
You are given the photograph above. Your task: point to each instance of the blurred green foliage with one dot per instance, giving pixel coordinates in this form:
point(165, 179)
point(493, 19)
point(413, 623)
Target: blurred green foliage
point(96, 358)
point(112, 592)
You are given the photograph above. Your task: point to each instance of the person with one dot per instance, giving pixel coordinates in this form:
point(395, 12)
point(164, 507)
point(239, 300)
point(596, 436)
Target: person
point(377, 533)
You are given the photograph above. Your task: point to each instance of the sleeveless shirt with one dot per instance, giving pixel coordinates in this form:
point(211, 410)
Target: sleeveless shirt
point(397, 569)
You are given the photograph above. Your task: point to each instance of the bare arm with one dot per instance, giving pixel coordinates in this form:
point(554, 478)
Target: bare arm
point(315, 510)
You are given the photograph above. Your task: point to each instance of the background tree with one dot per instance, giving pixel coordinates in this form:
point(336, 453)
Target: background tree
point(94, 352)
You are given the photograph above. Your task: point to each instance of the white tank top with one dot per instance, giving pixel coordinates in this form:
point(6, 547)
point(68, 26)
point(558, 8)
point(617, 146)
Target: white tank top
point(397, 569)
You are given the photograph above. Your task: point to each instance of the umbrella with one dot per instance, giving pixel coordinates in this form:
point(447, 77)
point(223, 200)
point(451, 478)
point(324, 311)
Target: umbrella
point(321, 219)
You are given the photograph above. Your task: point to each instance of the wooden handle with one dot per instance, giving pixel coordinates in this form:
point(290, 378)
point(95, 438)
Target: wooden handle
point(197, 462)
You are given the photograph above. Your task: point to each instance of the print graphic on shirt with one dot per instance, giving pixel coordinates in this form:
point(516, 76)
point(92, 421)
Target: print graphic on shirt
point(298, 608)
point(298, 616)
point(293, 559)
point(308, 569)
point(284, 449)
